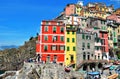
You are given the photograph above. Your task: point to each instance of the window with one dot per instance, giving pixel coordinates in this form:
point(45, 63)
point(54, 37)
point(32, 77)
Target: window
point(54, 29)
point(97, 48)
point(84, 56)
point(83, 45)
point(54, 38)
point(48, 59)
point(68, 32)
point(45, 47)
point(55, 57)
point(73, 33)
point(62, 47)
point(97, 40)
point(74, 49)
point(88, 45)
point(83, 36)
point(96, 35)
point(73, 40)
point(68, 48)
point(62, 38)
point(71, 58)
point(47, 22)
point(58, 23)
point(103, 42)
point(62, 29)
point(46, 29)
point(54, 47)
point(87, 37)
point(45, 37)
point(68, 40)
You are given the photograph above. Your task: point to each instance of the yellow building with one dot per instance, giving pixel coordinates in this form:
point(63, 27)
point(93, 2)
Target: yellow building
point(78, 9)
point(110, 38)
point(70, 45)
point(118, 30)
point(118, 35)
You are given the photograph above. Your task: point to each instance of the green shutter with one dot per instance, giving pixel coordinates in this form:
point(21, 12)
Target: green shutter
point(46, 28)
point(73, 32)
point(62, 38)
point(68, 40)
point(67, 32)
point(45, 38)
point(73, 40)
point(54, 29)
point(68, 48)
point(74, 49)
point(83, 36)
point(62, 29)
point(45, 47)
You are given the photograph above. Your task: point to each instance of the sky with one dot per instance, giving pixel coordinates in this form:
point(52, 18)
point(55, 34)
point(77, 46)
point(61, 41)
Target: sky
point(21, 19)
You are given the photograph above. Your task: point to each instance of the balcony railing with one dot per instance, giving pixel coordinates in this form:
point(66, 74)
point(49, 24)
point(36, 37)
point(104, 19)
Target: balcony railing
point(71, 28)
point(97, 43)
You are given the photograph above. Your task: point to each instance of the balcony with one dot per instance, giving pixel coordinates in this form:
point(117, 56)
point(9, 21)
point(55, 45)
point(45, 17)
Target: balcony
point(97, 43)
point(71, 28)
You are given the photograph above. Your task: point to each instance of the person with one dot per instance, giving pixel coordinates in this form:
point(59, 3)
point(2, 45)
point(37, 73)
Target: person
point(93, 69)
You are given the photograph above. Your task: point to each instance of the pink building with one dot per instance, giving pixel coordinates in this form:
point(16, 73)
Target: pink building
point(70, 9)
point(104, 44)
point(114, 17)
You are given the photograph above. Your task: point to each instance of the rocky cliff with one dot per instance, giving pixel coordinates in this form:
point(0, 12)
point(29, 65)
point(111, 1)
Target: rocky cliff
point(12, 59)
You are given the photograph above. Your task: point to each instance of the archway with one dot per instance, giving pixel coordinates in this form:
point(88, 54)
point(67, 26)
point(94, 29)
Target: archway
point(85, 67)
point(92, 65)
point(100, 65)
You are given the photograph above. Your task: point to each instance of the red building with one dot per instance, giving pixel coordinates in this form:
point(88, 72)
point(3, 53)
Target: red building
point(51, 42)
point(104, 43)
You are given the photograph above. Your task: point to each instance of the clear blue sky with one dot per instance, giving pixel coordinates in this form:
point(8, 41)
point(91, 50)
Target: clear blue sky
point(20, 19)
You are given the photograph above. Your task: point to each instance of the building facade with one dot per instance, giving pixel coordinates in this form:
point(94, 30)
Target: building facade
point(84, 45)
point(52, 44)
point(70, 9)
point(70, 45)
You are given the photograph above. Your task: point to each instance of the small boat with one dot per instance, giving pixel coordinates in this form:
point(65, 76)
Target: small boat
point(67, 69)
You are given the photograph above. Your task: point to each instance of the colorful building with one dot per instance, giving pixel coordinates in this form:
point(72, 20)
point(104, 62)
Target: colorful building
point(113, 29)
point(78, 9)
point(84, 45)
point(70, 9)
point(97, 41)
point(104, 45)
point(51, 45)
point(70, 51)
